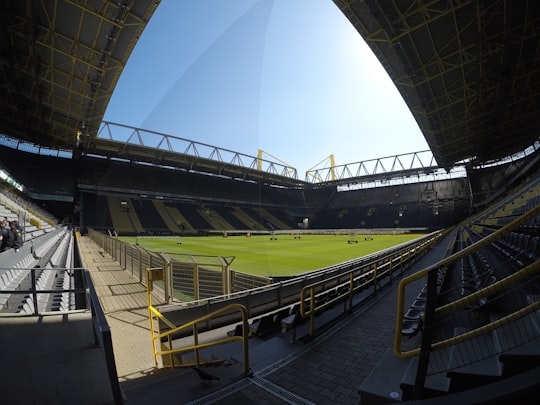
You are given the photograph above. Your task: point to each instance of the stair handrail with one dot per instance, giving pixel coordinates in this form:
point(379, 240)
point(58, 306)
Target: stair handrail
point(525, 272)
point(156, 274)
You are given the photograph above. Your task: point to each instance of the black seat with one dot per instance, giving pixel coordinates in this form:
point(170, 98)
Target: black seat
point(237, 331)
point(289, 321)
point(267, 325)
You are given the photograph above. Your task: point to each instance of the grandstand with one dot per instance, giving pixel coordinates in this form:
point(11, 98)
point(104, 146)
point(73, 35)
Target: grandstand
point(451, 316)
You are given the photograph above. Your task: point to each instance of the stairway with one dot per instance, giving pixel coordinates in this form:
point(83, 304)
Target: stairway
point(502, 353)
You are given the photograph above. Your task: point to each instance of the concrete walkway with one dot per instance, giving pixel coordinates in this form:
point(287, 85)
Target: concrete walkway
point(124, 302)
point(51, 359)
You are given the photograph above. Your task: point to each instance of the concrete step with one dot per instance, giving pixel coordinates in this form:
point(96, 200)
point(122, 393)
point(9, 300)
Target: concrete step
point(519, 342)
point(474, 362)
point(436, 383)
point(382, 385)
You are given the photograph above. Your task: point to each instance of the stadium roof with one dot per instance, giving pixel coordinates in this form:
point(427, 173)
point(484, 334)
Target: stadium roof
point(468, 70)
point(60, 61)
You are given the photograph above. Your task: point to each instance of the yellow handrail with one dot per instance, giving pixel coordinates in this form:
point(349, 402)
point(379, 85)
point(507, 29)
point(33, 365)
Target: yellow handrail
point(152, 311)
point(310, 291)
point(488, 327)
point(491, 289)
point(506, 282)
point(470, 298)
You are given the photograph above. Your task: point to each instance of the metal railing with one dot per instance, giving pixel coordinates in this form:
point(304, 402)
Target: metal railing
point(441, 312)
point(188, 277)
point(36, 297)
point(168, 336)
point(347, 284)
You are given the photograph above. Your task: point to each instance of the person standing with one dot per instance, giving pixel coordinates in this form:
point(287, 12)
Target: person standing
point(4, 235)
point(15, 239)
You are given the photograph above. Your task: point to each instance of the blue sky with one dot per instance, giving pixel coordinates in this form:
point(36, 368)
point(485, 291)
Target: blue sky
point(290, 77)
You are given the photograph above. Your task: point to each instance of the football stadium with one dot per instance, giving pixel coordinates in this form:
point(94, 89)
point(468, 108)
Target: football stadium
point(188, 273)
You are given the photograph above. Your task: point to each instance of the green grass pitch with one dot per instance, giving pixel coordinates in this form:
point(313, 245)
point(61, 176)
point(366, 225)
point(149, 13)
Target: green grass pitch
point(284, 256)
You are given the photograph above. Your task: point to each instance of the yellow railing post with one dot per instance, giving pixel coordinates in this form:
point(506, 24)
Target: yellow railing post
point(375, 277)
point(196, 344)
point(351, 290)
point(311, 311)
point(149, 288)
point(195, 282)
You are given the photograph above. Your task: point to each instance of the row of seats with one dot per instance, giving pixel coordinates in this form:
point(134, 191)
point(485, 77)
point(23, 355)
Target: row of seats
point(59, 257)
point(44, 281)
point(41, 249)
point(52, 279)
point(512, 206)
point(33, 232)
point(476, 275)
point(531, 202)
point(18, 273)
point(282, 319)
point(413, 318)
point(289, 317)
point(10, 280)
point(12, 277)
point(523, 248)
point(63, 257)
point(65, 300)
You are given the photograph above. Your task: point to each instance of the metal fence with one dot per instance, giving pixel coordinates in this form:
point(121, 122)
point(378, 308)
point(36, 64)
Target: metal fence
point(187, 277)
